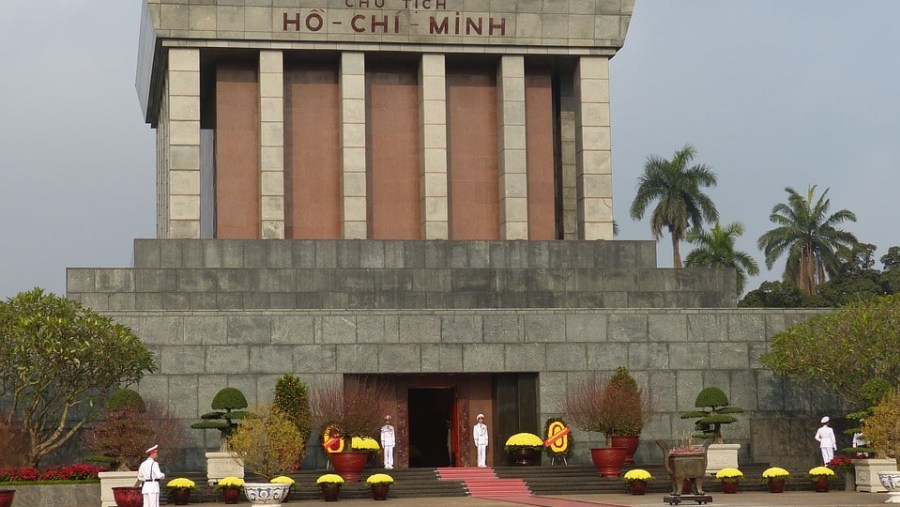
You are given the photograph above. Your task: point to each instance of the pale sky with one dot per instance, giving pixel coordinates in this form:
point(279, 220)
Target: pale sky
point(771, 93)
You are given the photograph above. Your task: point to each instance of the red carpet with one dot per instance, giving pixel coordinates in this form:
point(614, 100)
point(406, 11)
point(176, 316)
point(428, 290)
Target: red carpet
point(484, 483)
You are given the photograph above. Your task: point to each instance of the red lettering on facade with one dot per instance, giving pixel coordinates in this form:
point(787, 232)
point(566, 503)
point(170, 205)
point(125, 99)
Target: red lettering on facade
point(288, 22)
point(501, 25)
point(438, 29)
point(473, 25)
point(355, 25)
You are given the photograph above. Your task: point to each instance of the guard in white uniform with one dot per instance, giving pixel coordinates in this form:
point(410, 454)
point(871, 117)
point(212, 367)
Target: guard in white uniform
point(827, 441)
point(480, 434)
point(150, 474)
point(388, 441)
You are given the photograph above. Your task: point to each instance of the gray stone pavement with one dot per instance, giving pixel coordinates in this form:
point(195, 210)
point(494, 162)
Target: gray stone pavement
point(741, 499)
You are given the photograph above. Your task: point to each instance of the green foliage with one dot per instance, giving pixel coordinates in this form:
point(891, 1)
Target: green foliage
point(292, 399)
point(227, 405)
point(677, 188)
point(125, 399)
point(843, 349)
point(882, 428)
point(809, 236)
point(56, 358)
point(268, 443)
point(713, 414)
point(715, 249)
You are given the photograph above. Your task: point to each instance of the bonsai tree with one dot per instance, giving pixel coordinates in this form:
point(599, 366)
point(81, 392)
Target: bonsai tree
point(229, 406)
point(714, 412)
point(292, 399)
point(882, 428)
point(121, 437)
point(267, 442)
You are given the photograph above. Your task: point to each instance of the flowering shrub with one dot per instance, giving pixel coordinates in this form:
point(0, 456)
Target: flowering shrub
point(638, 474)
point(379, 479)
point(818, 472)
point(776, 473)
point(729, 475)
point(523, 441)
point(283, 479)
point(59, 473)
point(841, 463)
point(330, 479)
point(367, 444)
point(230, 483)
point(181, 483)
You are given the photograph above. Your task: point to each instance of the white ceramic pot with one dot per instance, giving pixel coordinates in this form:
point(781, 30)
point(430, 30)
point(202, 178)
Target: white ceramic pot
point(891, 481)
point(266, 493)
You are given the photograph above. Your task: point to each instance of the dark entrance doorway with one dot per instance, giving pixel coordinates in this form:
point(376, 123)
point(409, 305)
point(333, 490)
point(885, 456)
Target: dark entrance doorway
point(431, 421)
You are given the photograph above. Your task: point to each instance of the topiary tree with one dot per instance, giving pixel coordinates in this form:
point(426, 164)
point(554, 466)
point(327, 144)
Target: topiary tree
point(125, 399)
point(292, 399)
point(714, 412)
point(267, 442)
point(56, 358)
point(229, 406)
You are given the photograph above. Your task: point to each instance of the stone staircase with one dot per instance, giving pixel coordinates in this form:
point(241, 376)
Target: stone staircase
point(506, 481)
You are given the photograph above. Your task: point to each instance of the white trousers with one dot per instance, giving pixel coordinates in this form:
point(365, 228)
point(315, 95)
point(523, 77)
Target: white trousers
point(151, 499)
point(389, 456)
point(482, 455)
point(827, 454)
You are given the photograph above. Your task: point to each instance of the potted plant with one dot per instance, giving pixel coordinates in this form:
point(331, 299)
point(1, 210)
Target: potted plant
point(330, 485)
point(231, 489)
point(347, 411)
point(524, 448)
point(267, 443)
point(882, 430)
point(596, 405)
point(637, 480)
point(380, 484)
point(775, 477)
point(844, 464)
point(821, 477)
point(229, 408)
point(180, 490)
point(284, 479)
point(730, 479)
point(632, 411)
point(713, 412)
point(292, 399)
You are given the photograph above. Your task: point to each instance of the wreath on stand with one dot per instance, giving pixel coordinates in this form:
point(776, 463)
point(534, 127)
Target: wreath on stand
point(557, 438)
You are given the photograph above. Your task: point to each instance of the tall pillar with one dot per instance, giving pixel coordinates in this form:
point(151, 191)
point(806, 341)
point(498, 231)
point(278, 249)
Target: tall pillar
point(592, 139)
point(271, 128)
point(512, 157)
point(353, 144)
point(434, 201)
point(180, 138)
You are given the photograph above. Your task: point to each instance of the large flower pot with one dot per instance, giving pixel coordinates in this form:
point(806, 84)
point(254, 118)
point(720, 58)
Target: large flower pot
point(266, 493)
point(380, 491)
point(730, 487)
point(6, 497)
point(349, 465)
point(231, 495)
point(330, 492)
point(891, 482)
point(776, 485)
point(637, 487)
point(630, 443)
point(821, 484)
point(608, 460)
point(525, 456)
point(181, 496)
point(128, 496)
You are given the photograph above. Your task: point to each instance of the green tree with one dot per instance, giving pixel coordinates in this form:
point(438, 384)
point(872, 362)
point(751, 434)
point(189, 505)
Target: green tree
point(56, 358)
point(681, 202)
point(292, 399)
point(267, 442)
point(843, 349)
point(809, 236)
point(228, 406)
point(713, 412)
point(715, 249)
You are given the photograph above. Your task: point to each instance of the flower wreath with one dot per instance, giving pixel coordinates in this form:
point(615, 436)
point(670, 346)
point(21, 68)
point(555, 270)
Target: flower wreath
point(557, 444)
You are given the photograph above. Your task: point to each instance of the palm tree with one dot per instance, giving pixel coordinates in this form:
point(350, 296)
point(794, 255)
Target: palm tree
point(715, 249)
point(681, 203)
point(809, 236)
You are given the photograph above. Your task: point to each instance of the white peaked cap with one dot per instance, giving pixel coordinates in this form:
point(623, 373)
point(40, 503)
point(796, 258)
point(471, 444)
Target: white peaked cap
point(155, 447)
point(479, 416)
point(825, 419)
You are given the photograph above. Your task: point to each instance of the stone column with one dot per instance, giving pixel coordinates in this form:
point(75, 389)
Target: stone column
point(433, 175)
point(592, 139)
point(511, 139)
point(180, 137)
point(353, 145)
point(271, 130)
